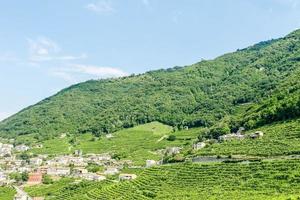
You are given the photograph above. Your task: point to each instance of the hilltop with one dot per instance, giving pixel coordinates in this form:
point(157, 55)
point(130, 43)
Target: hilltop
point(246, 84)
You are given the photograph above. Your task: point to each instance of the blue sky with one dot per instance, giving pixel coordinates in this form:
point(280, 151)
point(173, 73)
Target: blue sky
point(48, 45)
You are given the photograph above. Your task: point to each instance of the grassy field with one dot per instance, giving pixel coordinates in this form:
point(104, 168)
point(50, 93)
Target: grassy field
point(48, 190)
point(255, 180)
point(54, 146)
point(7, 193)
point(281, 138)
point(139, 143)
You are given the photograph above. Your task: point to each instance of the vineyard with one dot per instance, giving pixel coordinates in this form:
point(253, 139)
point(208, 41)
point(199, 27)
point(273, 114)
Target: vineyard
point(244, 180)
point(281, 138)
point(7, 193)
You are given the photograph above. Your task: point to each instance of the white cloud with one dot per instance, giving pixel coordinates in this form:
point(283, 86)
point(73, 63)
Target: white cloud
point(102, 6)
point(76, 73)
point(44, 49)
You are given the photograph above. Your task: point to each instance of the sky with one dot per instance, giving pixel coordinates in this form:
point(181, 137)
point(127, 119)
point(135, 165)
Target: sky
point(48, 45)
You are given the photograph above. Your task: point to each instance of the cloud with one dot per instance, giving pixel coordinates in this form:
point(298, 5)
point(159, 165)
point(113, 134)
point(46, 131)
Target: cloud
point(76, 72)
point(44, 49)
point(102, 7)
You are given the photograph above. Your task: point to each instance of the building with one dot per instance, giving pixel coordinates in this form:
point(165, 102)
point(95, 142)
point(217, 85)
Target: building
point(80, 171)
point(21, 148)
point(199, 145)
point(231, 136)
point(58, 171)
point(108, 136)
point(92, 177)
point(78, 152)
point(257, 134)
point(35, 178)
point(172, 150)
point(111, 171)
point(36, 161)
point(127, 177)
point(150, 163)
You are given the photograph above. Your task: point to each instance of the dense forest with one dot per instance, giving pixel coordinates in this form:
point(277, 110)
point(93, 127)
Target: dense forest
point(250, 87)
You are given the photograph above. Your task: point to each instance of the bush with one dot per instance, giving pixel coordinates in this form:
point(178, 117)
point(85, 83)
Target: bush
point(171, 138)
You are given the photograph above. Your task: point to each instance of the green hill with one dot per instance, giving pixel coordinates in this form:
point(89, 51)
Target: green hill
point(196, 95)
point(257, 87)
point(254, 180)
point(137, 144)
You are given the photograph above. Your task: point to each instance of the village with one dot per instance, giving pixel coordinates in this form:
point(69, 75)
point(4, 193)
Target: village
point(20, 170)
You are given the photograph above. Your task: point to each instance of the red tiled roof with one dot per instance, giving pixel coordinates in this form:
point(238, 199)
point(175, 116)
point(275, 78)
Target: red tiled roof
point(35, 178)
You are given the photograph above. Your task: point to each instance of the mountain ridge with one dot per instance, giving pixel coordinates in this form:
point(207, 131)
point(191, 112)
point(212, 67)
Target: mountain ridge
point(197, 95)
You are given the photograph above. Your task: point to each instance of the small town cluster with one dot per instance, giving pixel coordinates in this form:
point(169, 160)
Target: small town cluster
point(74, 166)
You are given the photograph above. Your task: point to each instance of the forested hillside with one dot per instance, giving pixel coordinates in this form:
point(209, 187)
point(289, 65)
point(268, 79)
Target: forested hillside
point(262, 79)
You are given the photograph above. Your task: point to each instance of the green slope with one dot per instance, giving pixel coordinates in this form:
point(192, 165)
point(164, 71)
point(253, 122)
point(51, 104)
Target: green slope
point(138, 144)
point(255, 180)
point(196, 95)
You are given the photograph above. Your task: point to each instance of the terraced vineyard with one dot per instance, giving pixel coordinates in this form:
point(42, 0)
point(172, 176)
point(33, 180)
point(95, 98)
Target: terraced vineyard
point(246, 180)
point(48, 190)
point(282, 138)
point(7, 193)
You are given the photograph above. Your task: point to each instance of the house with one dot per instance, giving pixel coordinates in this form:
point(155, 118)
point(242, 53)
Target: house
point(111, 171)
point(36, 161)
point(108, 136)
point(199, 145)
point(93, 177)
point(22, 148)
point(172, 150)
point(58, 171)
point(150, 163)
point(43, 169)
point(127, 177)
point(257, 134)
point(231, 136)
point(35, 178)
point(78, 152)
point(80, 171)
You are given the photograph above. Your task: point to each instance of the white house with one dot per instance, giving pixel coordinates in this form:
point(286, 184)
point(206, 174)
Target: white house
point(22, 148)
point(58, 171)
point(150, 163)
point(111, 171)
point(199, 145)
point(36, 161)
point(127, 177)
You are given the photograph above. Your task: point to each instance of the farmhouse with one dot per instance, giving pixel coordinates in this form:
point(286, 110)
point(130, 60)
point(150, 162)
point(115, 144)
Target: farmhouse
point(111, 171)
point(36, 161)
point(127, 177)
point(150, 163)
point(172, 150)
point(257, 134)
point(21, 148)
point(199, 145)
point(58, 171)
point(35, 178)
